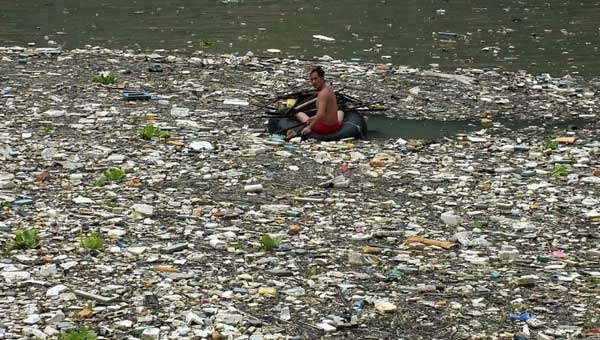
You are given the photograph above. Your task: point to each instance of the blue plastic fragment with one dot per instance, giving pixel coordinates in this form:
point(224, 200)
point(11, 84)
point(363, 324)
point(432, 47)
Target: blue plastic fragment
point(136, 95)
point(24, 201)
point(359, 305)
point(522, 316)
point(284, 247)
point(293, 213)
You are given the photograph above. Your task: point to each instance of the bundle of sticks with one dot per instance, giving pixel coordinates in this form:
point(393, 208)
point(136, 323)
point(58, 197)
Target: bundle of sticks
point(305, 101)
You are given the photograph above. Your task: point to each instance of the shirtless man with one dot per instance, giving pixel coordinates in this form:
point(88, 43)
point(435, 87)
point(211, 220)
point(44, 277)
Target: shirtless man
point(328, 118)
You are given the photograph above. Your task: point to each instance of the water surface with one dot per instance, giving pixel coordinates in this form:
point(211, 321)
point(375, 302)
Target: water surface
point(557, 37)
point(382, 127)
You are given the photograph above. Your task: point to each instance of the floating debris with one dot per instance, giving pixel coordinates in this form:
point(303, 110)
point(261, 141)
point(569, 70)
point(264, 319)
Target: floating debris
point(221, 230)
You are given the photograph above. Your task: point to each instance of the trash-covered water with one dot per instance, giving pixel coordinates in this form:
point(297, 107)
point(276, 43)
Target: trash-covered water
point(556, 37)
point(177, 216)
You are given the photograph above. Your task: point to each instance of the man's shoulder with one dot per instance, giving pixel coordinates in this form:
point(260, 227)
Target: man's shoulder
point(326, 92)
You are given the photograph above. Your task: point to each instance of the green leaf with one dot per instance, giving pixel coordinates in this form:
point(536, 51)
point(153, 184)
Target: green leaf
point(560, 171)
point(26, 239)
point(94, 242)
point(80, 334)
point(550, 144)
point(105, 79)
point(312, 271)
point(269, 243)
point(114, 174)
point(150, 131)
point(6, 205)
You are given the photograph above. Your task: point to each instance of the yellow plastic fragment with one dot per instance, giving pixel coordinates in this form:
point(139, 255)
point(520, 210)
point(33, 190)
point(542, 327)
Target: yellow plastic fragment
point(565, 140)
point(84, 314)
point(175, 142)
point(267, 291)
point(295, 228)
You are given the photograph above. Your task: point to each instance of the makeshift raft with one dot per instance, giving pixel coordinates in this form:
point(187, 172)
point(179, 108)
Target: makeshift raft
point(353, 126)
point(284, 123)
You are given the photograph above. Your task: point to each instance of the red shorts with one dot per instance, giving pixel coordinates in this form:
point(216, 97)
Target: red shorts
point(326, 129)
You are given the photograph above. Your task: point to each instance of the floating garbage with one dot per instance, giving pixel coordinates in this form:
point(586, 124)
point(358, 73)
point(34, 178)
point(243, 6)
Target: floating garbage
point(239, 102)
point(210, 227)
point(524, 316)
point(323, 38)
point(135, 95)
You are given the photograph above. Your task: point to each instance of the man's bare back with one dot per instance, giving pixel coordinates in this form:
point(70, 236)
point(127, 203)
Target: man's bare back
point(328, 118)
point(327, 105)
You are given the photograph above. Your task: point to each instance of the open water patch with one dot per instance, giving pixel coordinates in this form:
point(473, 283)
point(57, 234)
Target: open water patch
point(383, 127)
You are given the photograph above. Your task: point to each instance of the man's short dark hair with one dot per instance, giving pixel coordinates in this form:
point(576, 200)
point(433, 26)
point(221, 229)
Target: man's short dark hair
point(319, 71)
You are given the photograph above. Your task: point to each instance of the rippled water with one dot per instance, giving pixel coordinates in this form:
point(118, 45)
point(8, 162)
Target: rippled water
point(557, 37)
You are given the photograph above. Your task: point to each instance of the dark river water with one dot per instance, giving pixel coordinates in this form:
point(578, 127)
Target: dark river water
point(381, 127)
point(553, 36)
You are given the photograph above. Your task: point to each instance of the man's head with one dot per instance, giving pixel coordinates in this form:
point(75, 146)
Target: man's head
point(317, 77)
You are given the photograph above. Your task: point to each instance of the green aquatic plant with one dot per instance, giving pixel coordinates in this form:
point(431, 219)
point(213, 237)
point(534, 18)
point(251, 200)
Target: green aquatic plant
point(149, 131)
point(269, 243)
point(550, 144)
point(26, 239)
point(6, 205)
point(110, 175)
point(114, 174)
point(79, 334)
point(559, 171)
point(93, 242)
point(312, 271)
point(105, 79)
